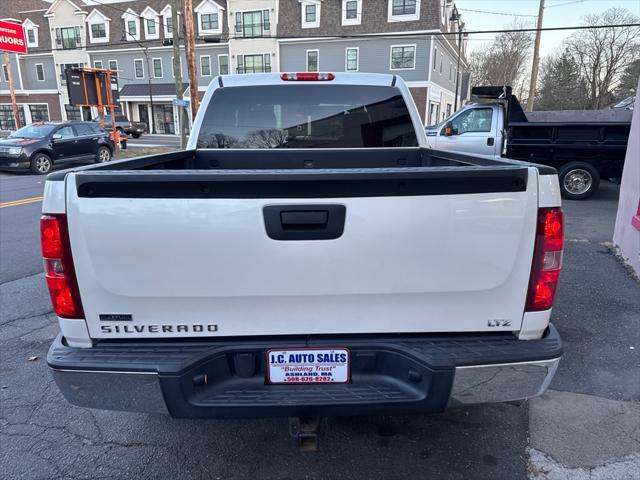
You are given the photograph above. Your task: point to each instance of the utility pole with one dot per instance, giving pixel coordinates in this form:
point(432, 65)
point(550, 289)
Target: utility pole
point(14, 105)
point(182, 117)
point(190, 43)
point(152, 118)
point(536, 59)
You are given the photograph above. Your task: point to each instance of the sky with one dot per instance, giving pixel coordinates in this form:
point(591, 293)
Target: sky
point(557, 13)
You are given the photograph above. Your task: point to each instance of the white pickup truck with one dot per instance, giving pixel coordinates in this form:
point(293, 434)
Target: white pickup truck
point(307, 255)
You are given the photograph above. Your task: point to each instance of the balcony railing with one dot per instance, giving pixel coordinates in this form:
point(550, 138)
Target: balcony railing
point(266, 69)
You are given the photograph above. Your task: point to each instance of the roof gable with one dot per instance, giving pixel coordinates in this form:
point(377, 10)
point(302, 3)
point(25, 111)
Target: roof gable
point(97, 15)
point(207, 5)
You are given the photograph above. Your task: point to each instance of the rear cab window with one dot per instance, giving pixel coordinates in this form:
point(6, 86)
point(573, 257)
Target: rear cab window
point(307, 116)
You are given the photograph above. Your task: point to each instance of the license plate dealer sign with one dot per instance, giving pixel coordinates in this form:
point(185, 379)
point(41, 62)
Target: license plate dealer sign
point(307, 365)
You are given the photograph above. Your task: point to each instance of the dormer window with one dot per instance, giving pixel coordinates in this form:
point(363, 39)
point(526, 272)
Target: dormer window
point(131, 22)
point(98, 26)
point(310, 13)
point(403, 10)
point(210, 16)
point(165, 13)
point(31, 33)
point(151, 20)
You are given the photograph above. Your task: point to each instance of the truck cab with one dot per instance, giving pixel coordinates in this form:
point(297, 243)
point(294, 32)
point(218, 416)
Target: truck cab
point(475, 129)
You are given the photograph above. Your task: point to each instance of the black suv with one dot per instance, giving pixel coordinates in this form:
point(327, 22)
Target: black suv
point(39, 146)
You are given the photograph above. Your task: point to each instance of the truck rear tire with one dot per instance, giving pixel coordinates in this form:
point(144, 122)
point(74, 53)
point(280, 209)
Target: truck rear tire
point(578, 180)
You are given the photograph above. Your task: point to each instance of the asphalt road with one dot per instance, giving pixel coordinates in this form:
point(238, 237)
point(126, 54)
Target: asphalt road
point(586, 425)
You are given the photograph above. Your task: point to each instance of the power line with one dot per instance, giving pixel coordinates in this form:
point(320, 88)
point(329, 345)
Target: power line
point(495, 13)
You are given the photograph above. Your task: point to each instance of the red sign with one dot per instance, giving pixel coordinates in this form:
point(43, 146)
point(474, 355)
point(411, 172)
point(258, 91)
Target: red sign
point(12, 38)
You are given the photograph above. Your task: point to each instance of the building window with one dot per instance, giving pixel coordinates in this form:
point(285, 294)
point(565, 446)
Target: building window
point(403, 10)
point(311, 14)
point(254, 63)
point(351, 12)
point(98, 30)
point(404, 7)
point(132, 28)
point(73, 113)
point(5, 72)
point(63, 68)
point(441, 61)
point(31, 36)
point(7, 120)
point(252, 24)
point(435, 57)
point(351, 62)
point(449, 106)
point(223, 64)
point(157, 68)
point(312, 60)
point(450, 71)
point(113, 65)
point(138, 67)
point(40, 72)
point(403, 57)
point(209, 21)
point(151, 27)
point(39, 113)
point(205, 65)
point(97, 64)
point(168, 25)
point(68, 37)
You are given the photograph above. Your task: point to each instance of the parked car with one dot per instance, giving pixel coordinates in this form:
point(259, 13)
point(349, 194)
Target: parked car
point(39, 146)
point(309, 257)
point(135, 129)
point(583, 151)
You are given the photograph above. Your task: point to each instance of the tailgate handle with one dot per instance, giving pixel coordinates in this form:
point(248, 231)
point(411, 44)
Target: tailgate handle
point(304, 219)
point(304, 222)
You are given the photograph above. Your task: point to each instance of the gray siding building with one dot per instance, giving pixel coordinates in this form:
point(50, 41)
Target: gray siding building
point(414, 39)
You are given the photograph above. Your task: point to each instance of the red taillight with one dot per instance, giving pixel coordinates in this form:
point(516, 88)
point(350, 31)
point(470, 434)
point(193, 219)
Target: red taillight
point(547, 260)
point(307, 76)
point(58, 267)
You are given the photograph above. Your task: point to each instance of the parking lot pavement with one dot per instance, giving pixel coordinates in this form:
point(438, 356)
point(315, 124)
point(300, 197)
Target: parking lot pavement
point(585, 425)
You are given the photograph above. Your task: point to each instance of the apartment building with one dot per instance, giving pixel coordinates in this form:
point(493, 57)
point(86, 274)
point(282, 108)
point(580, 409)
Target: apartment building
point(414, 39)
point(410, 38)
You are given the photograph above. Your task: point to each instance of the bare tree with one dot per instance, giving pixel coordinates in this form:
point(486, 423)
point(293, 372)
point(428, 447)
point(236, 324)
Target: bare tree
point(603, 53)
point(503, 61)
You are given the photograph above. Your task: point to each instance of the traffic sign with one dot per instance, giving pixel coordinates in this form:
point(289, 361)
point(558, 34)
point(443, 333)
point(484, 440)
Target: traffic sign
point(12, 38)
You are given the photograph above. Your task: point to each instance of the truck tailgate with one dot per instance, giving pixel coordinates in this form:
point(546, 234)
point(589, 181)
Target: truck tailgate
point(189, 254)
